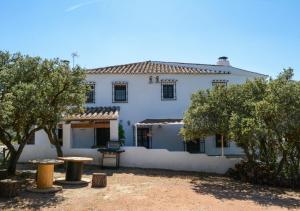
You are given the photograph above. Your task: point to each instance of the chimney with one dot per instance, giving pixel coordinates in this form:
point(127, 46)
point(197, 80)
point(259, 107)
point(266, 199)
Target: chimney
point(223, 60)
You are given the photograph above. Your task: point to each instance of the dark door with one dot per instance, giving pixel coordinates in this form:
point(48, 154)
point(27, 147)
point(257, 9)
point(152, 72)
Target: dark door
point(102, 136)
point(197, 146)
point(143, 137)
point(193, 146)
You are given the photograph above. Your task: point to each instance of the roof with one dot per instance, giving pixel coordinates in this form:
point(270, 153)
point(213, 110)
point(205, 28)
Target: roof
point(156, 67)
point(160, 121)
point(96, 113)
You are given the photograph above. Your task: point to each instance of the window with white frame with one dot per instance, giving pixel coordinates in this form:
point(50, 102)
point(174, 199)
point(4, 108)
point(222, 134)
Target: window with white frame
point(219, 82)
point(120, 92)
point(168, 89)
point(90, 95)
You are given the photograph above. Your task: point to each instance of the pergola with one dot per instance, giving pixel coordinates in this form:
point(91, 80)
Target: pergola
point(152, 122)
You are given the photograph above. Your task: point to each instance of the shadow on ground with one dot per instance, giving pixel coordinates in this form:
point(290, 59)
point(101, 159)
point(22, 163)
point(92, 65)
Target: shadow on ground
point(225, 188)
point(142, 172)
point(222, 188)
point(27, 200)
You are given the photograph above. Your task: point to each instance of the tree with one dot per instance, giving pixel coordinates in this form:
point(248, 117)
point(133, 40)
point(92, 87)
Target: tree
point(279, 112)
point(261, 116)
point(18, 104)
point(34, 95)
point(208, 114)
point(63, 93)
point(245, 128)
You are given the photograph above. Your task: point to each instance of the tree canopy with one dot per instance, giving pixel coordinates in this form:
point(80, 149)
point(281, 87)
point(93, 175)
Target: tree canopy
point(34, 94)
point(261, 116)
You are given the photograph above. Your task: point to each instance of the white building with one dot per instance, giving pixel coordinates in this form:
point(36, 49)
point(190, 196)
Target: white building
point(154, 96)
point(149, 100)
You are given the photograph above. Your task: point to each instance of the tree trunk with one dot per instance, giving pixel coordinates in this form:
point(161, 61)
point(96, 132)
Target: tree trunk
point(59, 151)
point(222, 145)
point(281, 164)
point(13, 159)
point(54, 141)
point(12, 164)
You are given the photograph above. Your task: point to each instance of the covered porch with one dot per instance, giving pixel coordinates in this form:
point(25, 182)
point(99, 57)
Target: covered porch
point(159, 134)
point(164, 134)
point(92, 128)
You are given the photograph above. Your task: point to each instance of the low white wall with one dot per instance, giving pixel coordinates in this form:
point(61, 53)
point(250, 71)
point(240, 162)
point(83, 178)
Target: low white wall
point(164, 159)
point(31, 152)
point(140, 157)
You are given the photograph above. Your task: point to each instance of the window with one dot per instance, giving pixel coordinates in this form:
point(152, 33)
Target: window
point(90, 95)
point(219, 141)
point(120, 92)
point(168, 90)
point(219, 82)
point(31, 139)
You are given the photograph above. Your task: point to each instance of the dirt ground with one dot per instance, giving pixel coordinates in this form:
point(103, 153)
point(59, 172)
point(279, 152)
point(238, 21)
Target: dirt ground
point(138, 189)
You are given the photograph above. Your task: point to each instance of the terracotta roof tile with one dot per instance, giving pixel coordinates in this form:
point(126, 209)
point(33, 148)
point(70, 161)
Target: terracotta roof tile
point(154, 67)
point(96, 113)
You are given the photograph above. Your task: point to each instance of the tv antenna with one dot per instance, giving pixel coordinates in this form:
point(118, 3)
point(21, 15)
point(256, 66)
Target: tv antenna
point(74, 54)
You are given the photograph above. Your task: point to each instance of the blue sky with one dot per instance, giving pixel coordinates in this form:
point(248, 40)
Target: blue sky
point(257, 35)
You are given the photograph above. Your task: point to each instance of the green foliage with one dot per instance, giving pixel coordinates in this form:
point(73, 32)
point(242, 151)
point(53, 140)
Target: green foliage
point(63, 92)
point(34, 95)
point(263, 117)
point(209, 111)
point(121, 134)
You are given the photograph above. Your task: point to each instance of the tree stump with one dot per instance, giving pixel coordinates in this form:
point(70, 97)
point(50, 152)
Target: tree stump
point(99, 180)
point(9, 187)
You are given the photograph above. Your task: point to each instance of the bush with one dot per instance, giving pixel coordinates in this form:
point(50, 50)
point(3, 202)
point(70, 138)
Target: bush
point(262, 174)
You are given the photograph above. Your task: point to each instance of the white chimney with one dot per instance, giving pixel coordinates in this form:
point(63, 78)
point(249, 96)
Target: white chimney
point(223, 60)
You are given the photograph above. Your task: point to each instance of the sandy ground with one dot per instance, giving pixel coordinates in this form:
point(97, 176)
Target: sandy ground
point(138, 189)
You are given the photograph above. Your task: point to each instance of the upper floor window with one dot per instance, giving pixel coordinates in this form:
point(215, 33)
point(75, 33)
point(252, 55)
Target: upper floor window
point(219, 82)
point(168, 89)
point(120, 92)
point(90, 95)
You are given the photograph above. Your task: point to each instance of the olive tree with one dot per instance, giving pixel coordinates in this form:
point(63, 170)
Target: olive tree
point(208, 114)
point(34, 95)
point(18, 103)
point(261, 116)
point(63, 93)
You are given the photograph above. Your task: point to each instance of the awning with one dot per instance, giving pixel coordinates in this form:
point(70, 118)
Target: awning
point(96, 113)
point(160, 122)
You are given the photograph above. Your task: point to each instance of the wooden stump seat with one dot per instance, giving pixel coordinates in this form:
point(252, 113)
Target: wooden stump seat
point(99, 180)
point(9, 187)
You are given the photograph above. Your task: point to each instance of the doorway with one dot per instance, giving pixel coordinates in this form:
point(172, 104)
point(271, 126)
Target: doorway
point(102, 137)
point(143, 137)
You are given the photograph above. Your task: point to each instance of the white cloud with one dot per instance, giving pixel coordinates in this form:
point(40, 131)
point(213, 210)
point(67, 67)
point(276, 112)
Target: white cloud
point(77, 6)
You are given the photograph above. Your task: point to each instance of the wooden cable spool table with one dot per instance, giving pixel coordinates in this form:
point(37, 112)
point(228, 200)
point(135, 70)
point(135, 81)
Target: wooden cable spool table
point(44, 181)
point(74, 170)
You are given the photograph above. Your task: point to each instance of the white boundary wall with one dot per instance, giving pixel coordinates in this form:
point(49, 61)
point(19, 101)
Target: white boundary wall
point(146, 158)
point(184, 161)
